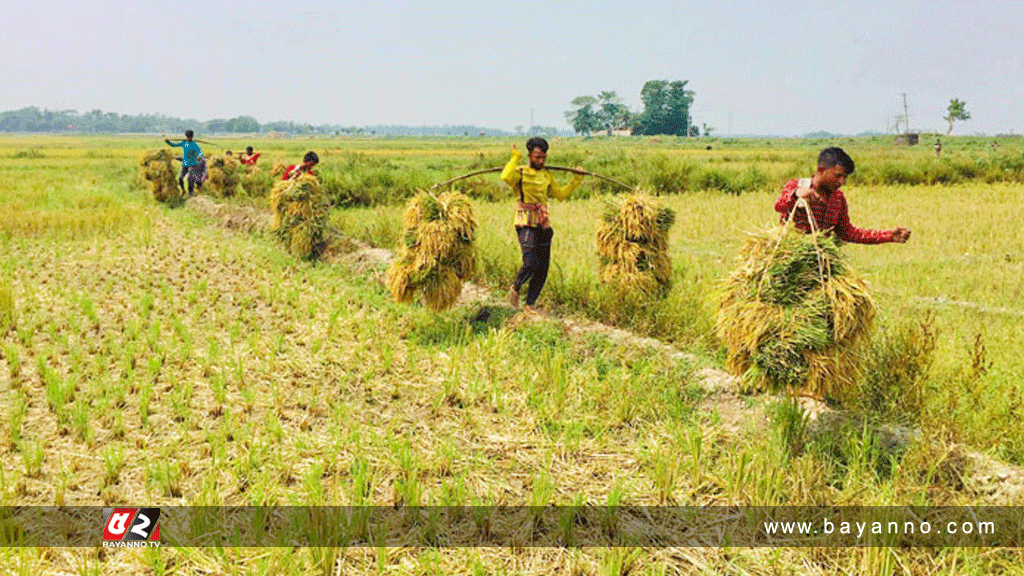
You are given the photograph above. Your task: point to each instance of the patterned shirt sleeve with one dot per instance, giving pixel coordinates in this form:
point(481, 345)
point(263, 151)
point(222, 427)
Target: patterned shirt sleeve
point(787, 198)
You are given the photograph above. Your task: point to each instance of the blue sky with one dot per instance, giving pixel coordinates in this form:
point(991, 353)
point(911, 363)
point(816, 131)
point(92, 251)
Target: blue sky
point(767, 67)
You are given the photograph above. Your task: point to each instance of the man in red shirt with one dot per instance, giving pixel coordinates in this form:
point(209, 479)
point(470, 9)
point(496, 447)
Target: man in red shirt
point(828, 204)
point(249, 159)
point(308, 161)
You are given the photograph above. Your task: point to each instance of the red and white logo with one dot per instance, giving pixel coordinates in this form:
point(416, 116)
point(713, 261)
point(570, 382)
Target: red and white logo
point(131, 527)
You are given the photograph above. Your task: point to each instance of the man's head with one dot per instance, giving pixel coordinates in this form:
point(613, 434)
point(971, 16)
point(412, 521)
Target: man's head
point(537, 151)
point(310, 160)
point(248, 149)
point(834, 165)
point(189, 134)
point(228, 153)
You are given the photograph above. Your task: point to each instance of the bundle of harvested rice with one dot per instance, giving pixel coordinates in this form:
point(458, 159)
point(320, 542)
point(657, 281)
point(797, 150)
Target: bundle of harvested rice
point(279, 169)
point(437, 255)
point(300, 210)
point(223, 176)
point(633, 246)
point(793, 315)
point(157, 166)
point(257, 182)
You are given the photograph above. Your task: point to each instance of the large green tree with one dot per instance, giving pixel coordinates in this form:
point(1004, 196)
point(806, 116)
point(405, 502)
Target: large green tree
point(611, 112)
point(584, 118)
point(957, 110)
point(666, 108)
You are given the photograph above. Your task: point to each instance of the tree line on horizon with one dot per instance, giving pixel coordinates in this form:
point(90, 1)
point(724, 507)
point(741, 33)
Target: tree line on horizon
point(34, 119)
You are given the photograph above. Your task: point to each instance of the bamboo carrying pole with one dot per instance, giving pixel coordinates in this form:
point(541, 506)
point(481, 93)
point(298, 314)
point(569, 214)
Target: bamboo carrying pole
point(194, 140)
point(561, 168)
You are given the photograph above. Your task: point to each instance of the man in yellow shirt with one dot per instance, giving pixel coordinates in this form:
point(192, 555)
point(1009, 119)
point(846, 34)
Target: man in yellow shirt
point(533, 185)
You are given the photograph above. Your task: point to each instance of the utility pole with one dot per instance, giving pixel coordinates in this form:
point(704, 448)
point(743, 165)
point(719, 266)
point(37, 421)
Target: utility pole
point(531, 117)
point(906, 114)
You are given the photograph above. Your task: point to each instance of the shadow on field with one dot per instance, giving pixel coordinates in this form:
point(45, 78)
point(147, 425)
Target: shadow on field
point(461, 325)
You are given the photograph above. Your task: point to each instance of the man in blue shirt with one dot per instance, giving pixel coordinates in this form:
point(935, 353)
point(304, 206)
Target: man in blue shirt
point(192, 163)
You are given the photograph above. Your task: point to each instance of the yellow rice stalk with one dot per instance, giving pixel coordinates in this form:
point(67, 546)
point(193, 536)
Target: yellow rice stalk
point(442, 290)
point(437, 254)
point(301, 241)
point(397, 281)
point(223, 175)
point(786, 325)
point(853, 308)
point(299, 207)
point(157, 166)
point(278, 170)
point(463, 262)
point(834, 370)
point(633, 243)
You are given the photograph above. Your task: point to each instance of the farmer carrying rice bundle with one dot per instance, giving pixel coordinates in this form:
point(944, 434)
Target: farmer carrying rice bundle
point(248, 158)
point(308, 161)
point(300, 210)
point(794, 314)
point(533, 184)
point(193, 164)
point(828, 203)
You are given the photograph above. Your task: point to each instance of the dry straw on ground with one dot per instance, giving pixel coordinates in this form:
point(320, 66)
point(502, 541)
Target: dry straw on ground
point(157, 166)
point(223, 178)
point(437, 255)
point(633, 243)
point(300, 210)
point(793, 315)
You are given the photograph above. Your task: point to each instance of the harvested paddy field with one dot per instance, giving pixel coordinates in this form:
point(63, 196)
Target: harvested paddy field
point(181, 357)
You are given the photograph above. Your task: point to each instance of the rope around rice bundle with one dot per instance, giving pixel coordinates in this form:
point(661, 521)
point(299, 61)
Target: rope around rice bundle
point(633, 245)
point(300, 209)
point(157, 166)
point(793, 315)
point(223, 176)
point(437, 254)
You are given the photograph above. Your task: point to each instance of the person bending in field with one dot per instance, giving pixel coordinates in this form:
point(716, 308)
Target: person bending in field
point(193, 164)
point(249, 159)
point(828, 204)
point(532, 185)
point(308, 161)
